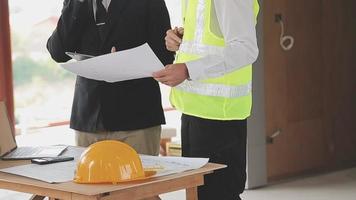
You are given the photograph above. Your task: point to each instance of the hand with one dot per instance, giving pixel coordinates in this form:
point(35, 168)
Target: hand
point(113, 50)
point(172, 75)
point(179, 31)
point(174, 38)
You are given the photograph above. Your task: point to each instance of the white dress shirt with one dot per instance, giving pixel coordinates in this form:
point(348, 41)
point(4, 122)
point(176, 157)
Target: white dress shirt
point(235, 21)
point(106, 4)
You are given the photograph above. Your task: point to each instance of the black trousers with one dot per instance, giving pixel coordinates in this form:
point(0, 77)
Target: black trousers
point(223, 142)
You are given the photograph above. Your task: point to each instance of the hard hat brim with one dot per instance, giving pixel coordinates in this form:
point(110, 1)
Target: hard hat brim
point(148, 174)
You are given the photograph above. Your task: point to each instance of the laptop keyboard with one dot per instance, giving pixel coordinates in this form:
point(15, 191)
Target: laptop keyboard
point(27, 151)
point(35, 152)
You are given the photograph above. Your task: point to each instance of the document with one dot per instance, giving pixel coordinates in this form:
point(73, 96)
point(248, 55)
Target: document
point(139, 62)
point(51, 173)
point(64, 171)
point(171, 165)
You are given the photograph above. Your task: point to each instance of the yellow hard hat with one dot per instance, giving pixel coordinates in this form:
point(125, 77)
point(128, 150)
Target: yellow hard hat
point(110, 161)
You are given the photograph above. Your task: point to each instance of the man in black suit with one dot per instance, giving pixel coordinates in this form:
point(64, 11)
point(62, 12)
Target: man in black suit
point(129, 111)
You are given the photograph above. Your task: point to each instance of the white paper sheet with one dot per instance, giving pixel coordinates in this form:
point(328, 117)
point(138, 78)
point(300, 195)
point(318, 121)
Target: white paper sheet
point(139, 62)
point(171, 165)
point(53, 173)
point(64, 172)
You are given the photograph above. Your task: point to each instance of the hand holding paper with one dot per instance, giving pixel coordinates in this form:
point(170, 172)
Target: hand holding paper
point(172, 75)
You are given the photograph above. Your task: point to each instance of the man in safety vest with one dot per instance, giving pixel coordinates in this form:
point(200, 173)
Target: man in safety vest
point(211, 84)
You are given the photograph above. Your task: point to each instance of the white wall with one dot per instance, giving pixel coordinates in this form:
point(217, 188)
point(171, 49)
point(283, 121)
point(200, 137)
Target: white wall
point(256, 144)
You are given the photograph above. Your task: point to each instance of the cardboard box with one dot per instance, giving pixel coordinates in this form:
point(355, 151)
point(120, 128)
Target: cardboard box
point(173, 149)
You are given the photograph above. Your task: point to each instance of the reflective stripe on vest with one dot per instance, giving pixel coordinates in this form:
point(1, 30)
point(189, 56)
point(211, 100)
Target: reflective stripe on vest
point(216, 90)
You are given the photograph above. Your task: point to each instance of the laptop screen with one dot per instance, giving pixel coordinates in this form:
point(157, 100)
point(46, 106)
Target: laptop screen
point(7, 140)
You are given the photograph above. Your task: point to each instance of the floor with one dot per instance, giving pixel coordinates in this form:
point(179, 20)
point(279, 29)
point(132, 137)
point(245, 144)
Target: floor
point(339, 185)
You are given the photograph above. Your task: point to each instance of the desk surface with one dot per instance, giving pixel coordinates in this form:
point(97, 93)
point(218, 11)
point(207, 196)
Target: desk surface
point(23, 184)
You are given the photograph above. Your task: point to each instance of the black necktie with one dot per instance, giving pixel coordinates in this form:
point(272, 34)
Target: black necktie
point(101, 16)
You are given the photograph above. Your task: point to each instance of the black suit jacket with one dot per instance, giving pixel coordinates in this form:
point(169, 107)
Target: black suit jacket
point(126, 105)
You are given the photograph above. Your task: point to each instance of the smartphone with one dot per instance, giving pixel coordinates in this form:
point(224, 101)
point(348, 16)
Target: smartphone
point(49, 160)
point(78, 56)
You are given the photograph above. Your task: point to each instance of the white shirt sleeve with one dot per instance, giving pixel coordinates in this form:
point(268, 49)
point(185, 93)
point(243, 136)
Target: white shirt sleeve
point(237, 25)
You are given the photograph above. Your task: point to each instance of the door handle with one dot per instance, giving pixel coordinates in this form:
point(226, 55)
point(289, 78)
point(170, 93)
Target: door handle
point(270, 139)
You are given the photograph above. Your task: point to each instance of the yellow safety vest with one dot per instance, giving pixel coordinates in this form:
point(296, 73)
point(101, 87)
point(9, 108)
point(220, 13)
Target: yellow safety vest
point(227, 97)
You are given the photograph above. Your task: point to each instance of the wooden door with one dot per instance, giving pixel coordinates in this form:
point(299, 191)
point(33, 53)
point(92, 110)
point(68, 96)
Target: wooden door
point(294, 88)
point(339, 55)
point(309, 90)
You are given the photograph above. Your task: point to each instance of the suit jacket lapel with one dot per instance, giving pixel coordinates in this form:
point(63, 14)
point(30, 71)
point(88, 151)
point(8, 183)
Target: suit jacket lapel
point(115, 11)
point(91, 11)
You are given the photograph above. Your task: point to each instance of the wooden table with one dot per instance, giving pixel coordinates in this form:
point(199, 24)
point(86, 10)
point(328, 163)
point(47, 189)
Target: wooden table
point(188, 180)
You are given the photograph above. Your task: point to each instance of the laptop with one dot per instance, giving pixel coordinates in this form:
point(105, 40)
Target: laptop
point(8, 146)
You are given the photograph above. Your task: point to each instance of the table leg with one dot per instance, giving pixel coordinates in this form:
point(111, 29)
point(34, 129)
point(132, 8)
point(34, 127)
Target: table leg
point(192, 193)
point(152, 198)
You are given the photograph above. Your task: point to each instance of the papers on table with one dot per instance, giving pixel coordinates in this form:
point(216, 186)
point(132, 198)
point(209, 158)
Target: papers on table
point(171, 165)
point(64, 172)
point(139, 62)
point(51, 173)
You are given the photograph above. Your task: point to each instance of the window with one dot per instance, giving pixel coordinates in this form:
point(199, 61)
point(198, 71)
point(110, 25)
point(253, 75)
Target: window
point(43, 92)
